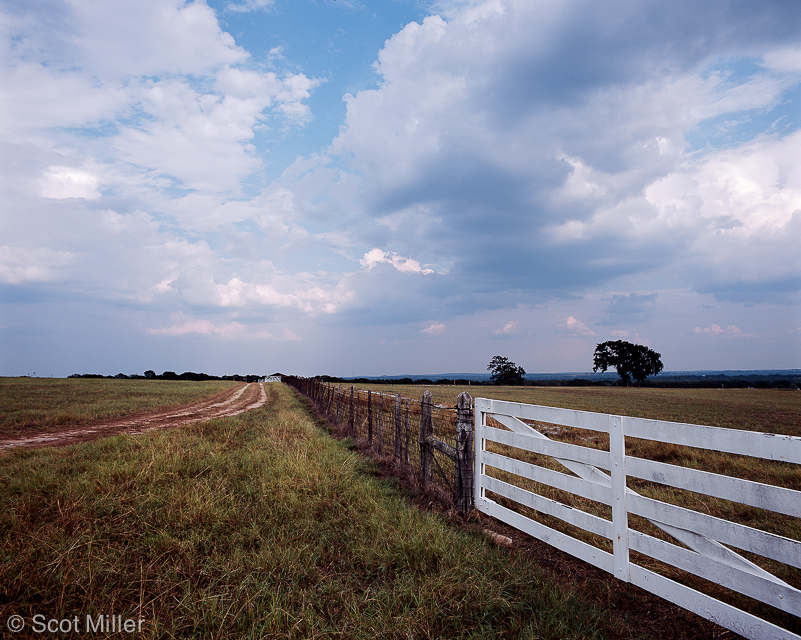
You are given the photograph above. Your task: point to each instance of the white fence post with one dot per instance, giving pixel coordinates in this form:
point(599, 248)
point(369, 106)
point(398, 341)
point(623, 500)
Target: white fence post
point(479, 416)
point(620, 515)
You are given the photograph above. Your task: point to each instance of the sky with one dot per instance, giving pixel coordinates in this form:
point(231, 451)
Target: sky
point(354, 187)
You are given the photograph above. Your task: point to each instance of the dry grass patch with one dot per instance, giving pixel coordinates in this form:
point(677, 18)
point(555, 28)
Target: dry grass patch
point(770, 410)
point(38, 404)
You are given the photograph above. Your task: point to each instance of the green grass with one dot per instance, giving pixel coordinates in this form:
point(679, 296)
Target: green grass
point(39, 404)
point(257, 526)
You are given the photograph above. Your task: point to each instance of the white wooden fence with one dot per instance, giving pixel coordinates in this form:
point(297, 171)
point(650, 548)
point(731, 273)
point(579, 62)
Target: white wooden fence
point(705, 535)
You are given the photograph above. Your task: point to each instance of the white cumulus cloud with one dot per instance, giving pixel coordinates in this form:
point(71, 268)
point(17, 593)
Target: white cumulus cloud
point(434, 329)
point(574, 325)
point(509, 328)
point(404, 265)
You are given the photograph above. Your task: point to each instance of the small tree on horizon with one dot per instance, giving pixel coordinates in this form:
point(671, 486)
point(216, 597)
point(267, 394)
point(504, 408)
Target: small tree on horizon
point(630, 360)
point(505, 372)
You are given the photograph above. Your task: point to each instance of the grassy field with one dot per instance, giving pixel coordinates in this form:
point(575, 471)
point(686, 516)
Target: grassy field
point(771, 410)
point(38, 404)
point(257, 526)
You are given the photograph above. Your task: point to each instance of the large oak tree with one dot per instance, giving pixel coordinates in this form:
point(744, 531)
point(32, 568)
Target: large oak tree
point(631, 360)
point(505, 372)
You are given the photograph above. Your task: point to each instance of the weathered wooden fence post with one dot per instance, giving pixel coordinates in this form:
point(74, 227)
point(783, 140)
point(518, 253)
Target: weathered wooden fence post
point(330, 397)
point(426, 430)
point(464, 452)
point(350, 422)
point(339, 400)
point(398, 432)
point(369, 417)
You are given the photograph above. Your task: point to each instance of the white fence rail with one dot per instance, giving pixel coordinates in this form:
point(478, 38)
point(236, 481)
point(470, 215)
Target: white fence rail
point(706, 536)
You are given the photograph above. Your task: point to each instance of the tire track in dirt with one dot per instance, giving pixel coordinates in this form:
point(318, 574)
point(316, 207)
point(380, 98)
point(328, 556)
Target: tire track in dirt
point(232, 402)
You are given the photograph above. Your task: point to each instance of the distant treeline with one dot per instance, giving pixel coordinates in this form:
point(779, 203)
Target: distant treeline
point(721, 381)
point(171, 375)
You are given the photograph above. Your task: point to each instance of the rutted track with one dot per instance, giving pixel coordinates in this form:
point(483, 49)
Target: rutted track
point(228, 403)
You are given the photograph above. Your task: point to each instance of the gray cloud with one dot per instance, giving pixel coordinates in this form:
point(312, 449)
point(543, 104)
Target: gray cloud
point(534, 133)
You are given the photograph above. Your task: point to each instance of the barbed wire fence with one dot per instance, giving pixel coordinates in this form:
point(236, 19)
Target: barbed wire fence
point(430, 443)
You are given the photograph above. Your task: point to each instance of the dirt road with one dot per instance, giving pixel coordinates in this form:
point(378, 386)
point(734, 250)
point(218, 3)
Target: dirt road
point(228, 403)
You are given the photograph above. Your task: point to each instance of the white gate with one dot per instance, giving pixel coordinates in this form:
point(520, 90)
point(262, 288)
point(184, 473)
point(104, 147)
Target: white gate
point(705, 535)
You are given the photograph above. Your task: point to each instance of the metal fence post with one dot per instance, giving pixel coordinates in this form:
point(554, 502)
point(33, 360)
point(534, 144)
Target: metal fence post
point(398, 432)
point(369, 417)
point(380, 421)
point(406, 437)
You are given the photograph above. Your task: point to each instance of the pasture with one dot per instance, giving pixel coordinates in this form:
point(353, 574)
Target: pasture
point(768, 410)
point(41, 404)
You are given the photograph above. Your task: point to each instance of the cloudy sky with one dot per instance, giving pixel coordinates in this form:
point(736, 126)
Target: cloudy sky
point(397, 186)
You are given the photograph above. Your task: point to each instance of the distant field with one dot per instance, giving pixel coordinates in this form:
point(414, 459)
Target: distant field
point(38, 404)
point(771, 410)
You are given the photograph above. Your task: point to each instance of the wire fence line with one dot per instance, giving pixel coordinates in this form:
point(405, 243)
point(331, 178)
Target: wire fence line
point(428, 441)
